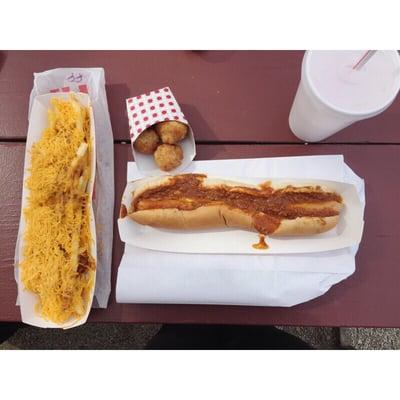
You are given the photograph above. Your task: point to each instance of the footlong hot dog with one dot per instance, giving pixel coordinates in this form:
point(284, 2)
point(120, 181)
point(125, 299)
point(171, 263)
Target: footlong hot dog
point(195, 201)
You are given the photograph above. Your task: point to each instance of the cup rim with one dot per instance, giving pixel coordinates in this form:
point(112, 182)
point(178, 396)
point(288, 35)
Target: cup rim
point(371, 112)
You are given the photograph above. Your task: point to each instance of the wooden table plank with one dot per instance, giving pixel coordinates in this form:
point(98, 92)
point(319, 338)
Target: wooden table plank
point(370, 297)
point(11, 170)
point(226, 95)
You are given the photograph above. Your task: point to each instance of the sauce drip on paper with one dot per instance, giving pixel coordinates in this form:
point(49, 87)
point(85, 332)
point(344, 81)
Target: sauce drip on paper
point(261, 245)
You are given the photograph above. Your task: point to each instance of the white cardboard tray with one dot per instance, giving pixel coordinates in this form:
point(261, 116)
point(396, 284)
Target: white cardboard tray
point(37, 123)
point(347, 233)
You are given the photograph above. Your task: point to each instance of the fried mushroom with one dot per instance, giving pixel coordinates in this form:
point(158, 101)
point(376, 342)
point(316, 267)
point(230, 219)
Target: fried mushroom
point(147, 142)
point(171, 132)
point(168, 156)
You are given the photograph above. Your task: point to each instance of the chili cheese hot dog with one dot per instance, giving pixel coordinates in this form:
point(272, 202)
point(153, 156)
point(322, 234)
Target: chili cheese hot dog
point(194, 201)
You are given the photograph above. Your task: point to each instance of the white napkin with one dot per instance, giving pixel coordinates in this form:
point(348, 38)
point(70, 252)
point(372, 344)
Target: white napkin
point(147, 276)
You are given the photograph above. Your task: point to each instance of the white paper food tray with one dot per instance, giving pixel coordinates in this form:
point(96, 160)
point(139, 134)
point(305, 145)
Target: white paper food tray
point(37, 124)
point(347, 233)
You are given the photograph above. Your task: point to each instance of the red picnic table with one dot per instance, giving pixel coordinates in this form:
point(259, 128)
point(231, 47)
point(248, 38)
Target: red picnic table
point(238, 104)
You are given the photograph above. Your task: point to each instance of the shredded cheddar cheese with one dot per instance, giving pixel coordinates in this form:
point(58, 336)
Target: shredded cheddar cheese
point(57, 264)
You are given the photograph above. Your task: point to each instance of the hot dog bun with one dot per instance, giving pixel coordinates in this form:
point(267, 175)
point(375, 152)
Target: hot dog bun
point(195, 201)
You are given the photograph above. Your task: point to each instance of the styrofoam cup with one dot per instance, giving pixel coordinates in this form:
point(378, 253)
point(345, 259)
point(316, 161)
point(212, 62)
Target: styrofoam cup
point(332, 95)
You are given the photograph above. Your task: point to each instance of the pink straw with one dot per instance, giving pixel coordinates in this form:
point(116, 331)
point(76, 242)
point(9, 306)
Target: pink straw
point(364, 59)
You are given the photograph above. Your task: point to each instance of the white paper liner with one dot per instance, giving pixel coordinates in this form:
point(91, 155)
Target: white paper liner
point(148, 276)
point(37, 124)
